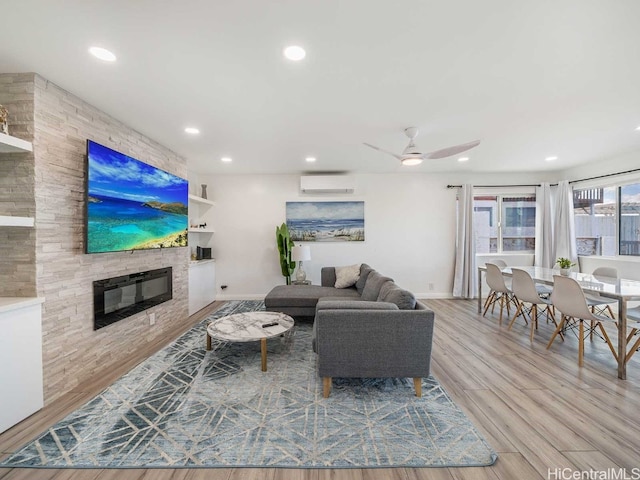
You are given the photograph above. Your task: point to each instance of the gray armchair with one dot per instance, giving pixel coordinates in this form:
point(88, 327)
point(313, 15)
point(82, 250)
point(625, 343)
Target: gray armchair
point(372, 340)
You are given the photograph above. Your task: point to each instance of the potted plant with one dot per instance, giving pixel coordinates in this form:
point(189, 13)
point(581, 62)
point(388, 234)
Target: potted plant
point(565, 264)
point(285, 244)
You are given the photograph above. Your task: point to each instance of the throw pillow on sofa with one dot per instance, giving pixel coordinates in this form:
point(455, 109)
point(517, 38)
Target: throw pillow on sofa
point(373, 285)
point(391, 293)
point(347, 276)
point(365, 270)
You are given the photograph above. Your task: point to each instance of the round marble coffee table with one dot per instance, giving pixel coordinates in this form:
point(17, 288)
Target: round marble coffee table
point(250, 327)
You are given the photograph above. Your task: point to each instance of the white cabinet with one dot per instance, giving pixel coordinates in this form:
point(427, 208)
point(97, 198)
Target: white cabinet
point(202, 284)
point(20, 359)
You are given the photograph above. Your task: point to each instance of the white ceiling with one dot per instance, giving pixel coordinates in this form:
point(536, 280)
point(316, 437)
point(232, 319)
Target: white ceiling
point(529, 78)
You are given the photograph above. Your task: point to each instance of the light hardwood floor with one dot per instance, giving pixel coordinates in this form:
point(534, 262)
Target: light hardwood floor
point(536, 407)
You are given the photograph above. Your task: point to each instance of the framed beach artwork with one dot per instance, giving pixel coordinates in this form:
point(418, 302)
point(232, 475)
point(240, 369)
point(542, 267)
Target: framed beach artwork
point(326, 221)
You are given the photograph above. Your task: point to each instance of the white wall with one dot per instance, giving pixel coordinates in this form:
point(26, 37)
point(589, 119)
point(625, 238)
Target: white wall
point(621, 163)
point(409, 230)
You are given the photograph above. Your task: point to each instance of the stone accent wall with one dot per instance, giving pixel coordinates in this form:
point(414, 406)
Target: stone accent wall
point(17, 244)
point(72, 350)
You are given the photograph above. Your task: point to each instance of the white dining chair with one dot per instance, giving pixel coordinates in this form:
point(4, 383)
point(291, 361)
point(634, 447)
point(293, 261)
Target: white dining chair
point(500, 293)
point(633, 315)
point(499, 262)
point(568, 297)
point(501, 265)
point(597, 303)
point(524, 289)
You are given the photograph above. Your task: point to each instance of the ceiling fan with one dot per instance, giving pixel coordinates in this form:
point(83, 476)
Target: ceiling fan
point(412, 155)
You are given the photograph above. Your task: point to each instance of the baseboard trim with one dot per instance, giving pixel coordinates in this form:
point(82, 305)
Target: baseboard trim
point(245, 296)
point(432, 295)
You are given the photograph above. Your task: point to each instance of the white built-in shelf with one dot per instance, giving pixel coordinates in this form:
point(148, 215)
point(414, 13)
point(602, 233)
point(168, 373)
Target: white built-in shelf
point(201, 230)
point(9, 144)
point(203, 201)
point(16, 221)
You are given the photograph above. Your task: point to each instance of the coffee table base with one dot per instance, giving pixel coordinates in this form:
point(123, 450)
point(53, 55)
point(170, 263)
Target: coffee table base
point(263, 351)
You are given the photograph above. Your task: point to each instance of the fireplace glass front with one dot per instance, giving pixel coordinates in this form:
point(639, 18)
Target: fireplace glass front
point(120, 297)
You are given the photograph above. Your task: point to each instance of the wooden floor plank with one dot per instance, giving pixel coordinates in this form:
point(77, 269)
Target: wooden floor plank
point(548, 421)
point(122, 474)
point(522, 433)
point(251, 474)
point(606, 432)
point(512, 466)
point(201, 474)
point(342, 474)
point(428, 474)
point(384, 474)
point(295, 474)
point(70, 474)
point(593, 460)
point(31, 474)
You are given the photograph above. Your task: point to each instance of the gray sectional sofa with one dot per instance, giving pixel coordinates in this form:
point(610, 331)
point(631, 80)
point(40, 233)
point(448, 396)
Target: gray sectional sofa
point(373, 329)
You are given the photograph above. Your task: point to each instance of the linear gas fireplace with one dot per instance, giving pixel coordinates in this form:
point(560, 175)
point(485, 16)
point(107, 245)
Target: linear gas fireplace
point(120, 297)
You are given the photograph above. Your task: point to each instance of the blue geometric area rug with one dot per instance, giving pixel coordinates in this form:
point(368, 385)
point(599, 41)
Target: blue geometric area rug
point(188, 407)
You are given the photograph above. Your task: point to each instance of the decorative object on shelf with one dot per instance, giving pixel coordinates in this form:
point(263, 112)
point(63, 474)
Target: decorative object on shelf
point(325, 221)
point(565, 264)
point(204, 191)
point(285, 244)
point(4, 120)
point(301, 253)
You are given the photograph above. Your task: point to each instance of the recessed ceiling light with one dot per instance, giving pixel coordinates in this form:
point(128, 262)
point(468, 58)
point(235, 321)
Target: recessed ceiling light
point(551, 159)
point(310, 159)
point(463, 159)
point(102, 54)
point(226, 159)
point(192, 130)
point(638, 128)
point(294, 53)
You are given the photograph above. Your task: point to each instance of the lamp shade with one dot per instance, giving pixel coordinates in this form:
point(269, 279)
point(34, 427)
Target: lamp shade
point(301, 253)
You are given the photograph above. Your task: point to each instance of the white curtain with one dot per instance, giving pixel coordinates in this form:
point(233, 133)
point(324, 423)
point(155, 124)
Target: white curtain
point(544, 256)
point(464, 282)
point(564, 227)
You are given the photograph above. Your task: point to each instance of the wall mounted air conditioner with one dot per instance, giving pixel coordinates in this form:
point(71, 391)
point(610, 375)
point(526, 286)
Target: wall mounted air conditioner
point(327, 184)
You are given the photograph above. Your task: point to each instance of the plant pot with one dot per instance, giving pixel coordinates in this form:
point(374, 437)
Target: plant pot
point(564, 271)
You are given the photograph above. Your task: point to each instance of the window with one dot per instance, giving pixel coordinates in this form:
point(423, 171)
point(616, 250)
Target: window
point(595, 218)
point(504, 223)
point(607, 220)
point(630, 219)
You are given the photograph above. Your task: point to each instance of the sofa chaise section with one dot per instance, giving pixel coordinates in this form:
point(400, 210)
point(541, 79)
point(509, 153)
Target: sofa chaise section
point(301, 300)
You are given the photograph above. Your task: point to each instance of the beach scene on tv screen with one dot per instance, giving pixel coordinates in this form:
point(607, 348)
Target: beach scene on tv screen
point(132, 205)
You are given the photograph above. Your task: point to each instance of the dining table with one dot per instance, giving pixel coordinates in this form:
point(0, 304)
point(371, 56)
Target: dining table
point(621, 289)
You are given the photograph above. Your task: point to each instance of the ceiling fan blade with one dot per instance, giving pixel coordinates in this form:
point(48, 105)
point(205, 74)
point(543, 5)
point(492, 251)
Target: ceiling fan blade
point(383, 150)
point(447, 152)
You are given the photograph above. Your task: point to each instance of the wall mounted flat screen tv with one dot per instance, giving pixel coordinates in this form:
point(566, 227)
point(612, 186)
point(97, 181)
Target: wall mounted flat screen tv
point(132, 205)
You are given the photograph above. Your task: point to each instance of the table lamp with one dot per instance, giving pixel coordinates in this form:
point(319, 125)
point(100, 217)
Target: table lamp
point(300, 253)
